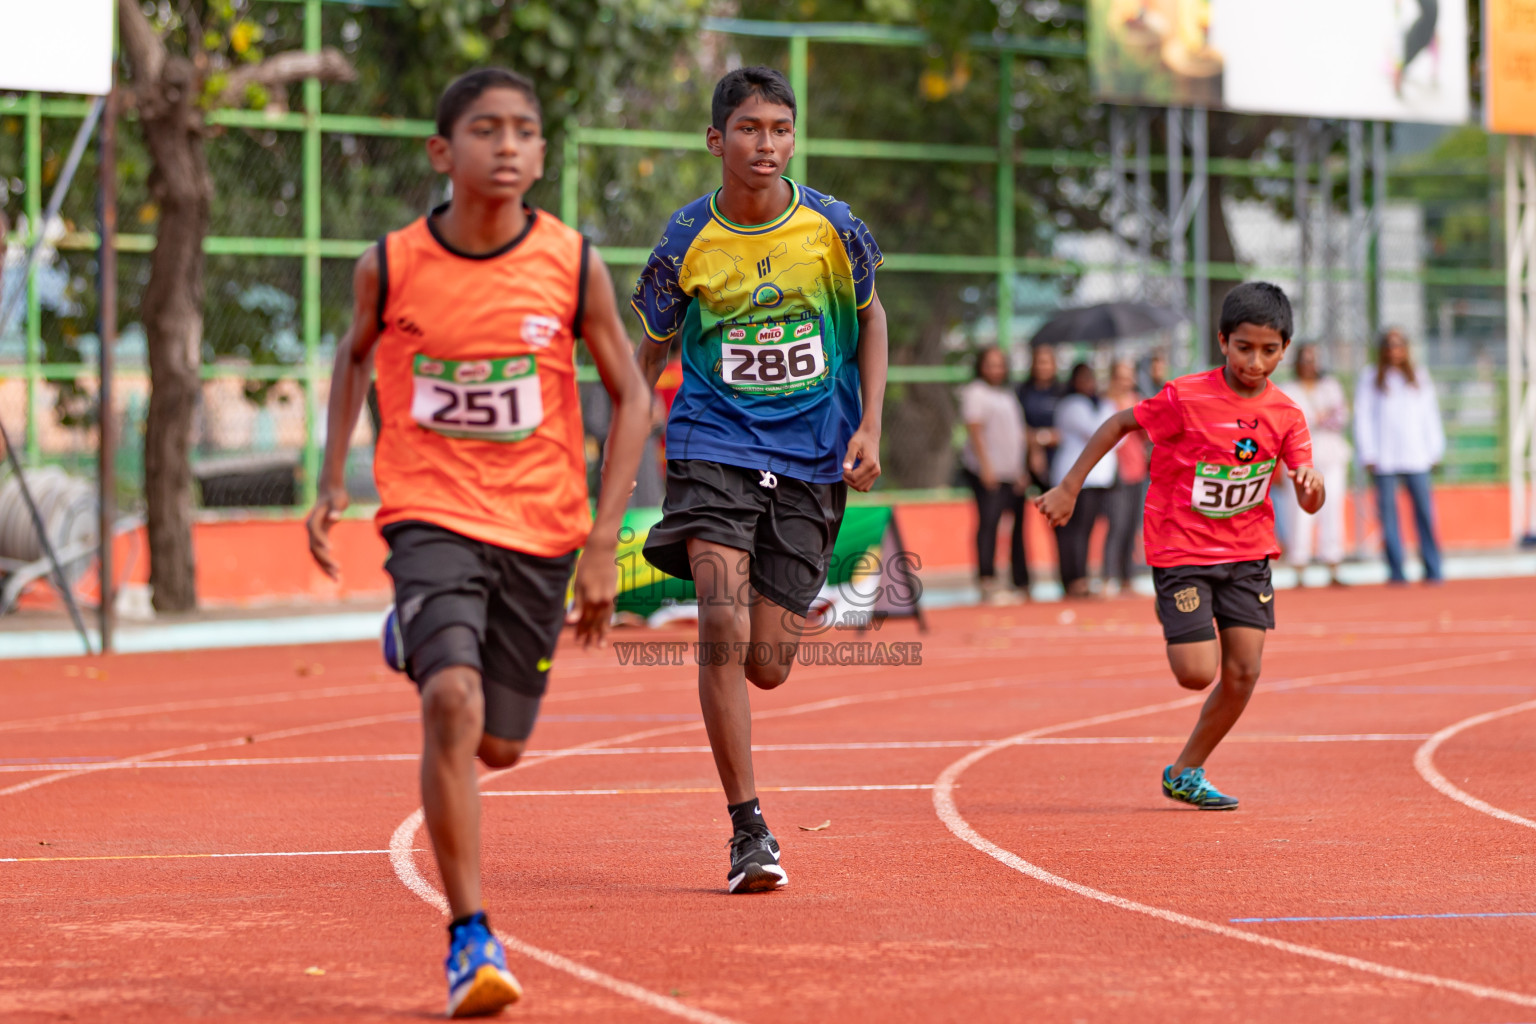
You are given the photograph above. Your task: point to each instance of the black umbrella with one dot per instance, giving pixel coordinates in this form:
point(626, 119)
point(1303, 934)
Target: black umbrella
point(1109, 321)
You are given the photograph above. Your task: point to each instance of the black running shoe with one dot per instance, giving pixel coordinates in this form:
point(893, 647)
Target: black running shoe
point(755, 862)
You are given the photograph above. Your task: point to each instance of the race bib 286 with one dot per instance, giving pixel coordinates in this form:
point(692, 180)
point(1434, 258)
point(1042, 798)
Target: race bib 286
point(772, 358)
point(487, 399)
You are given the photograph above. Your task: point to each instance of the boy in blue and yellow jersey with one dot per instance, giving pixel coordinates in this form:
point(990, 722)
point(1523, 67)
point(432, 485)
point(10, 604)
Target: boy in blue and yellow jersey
point(771, 288)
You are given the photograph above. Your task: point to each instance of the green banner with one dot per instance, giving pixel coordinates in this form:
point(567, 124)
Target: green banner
point(643, 588)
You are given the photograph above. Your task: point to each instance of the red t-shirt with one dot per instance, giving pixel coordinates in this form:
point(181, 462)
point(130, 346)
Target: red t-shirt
point(1214, 454)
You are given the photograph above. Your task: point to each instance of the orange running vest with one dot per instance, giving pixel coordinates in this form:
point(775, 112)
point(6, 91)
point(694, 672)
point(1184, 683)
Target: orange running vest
point(480, 425)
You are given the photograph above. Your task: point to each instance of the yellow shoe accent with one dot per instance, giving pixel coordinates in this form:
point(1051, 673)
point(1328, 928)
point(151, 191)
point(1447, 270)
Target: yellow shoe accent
point(491, 990)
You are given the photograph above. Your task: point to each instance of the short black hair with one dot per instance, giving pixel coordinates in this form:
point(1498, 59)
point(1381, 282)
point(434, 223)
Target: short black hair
point(468, 87)
point(1259, 303)
point(732, 91)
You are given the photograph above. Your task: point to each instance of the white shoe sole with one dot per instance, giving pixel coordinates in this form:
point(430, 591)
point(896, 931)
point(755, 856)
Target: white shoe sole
point(762, 878)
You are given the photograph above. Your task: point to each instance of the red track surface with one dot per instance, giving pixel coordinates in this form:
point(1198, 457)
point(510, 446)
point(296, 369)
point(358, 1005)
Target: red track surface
point(112, 909)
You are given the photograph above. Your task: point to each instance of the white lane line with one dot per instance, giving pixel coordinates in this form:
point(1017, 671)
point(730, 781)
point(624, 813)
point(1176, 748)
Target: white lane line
point(169, 707)
point(401, 844)
point(400, 685)
point(224, 762)
point(1049, 741)
point(197, 748)
point(705, 789)
point(1424, 764)
point(402, 858)
point(949, 813)
point(403, 841)
point(196, 856)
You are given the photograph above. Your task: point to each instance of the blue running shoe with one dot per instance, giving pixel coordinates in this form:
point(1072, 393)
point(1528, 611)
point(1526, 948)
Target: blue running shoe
point(478, 980)
point(1191, 787)
point(392, 643)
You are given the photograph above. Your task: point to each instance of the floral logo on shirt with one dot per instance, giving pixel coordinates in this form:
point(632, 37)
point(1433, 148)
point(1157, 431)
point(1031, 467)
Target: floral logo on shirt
point(1246, 449)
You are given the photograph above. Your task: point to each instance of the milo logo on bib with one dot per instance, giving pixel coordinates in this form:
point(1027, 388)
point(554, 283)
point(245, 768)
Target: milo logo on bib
point(484, 399)
point(776, 358)
point(1221, 491)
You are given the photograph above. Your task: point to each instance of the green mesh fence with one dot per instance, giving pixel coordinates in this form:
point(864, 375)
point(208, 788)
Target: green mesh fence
point(987, 264)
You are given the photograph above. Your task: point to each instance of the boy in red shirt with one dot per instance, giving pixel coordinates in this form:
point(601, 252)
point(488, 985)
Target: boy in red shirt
point(1218, 438)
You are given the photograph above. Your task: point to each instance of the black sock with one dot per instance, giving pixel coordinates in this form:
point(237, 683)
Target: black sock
point(747, 813)
point(460, 922)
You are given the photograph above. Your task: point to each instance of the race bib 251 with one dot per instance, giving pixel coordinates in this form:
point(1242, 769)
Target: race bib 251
point(773, 358)
point(485, 399)
point(1222, 491)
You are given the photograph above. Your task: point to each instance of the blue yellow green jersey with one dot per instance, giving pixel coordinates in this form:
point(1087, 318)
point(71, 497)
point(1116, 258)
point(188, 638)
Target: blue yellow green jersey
point(768, 316)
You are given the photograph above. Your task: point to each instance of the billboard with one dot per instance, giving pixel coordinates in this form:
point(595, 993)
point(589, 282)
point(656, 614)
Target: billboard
point(1379, 60)
point(1509, 66)
point(57, 46)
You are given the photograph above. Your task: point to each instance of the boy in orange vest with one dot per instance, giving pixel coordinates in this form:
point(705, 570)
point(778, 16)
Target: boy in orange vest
point(471, 316)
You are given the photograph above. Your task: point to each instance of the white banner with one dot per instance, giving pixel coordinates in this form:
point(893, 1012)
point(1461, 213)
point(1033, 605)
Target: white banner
point(56, 46)
point(1374, 60)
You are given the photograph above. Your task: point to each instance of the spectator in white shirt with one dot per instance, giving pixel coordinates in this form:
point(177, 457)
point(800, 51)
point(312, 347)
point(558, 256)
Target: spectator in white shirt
point(1399, 438)
point(1078, 415)
point(993, 460)
point(1321, 400)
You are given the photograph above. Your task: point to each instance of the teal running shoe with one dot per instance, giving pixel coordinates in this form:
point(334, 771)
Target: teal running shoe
point(478, 980)
point(1191, 787)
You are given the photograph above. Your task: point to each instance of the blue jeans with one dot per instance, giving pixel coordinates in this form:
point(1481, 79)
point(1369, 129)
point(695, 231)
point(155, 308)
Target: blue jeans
point(1417, 486)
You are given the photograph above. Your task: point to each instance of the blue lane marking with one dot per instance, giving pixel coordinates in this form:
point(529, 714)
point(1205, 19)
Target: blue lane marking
point(1375, 917)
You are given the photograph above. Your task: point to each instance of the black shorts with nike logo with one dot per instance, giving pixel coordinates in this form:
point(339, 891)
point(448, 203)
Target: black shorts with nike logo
point(1191, 597)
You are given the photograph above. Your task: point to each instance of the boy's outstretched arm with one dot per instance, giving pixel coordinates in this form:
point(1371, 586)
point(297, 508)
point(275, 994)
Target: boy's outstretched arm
point(597, 574)
point(350, 375)
point(861, 466)
point(1058, 502)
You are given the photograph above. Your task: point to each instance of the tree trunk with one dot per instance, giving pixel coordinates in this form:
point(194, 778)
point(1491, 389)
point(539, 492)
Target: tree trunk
point(172, 312)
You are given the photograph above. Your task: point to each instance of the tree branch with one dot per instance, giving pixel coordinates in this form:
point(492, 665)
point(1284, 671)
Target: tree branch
point(285, 68)
point(143, 45)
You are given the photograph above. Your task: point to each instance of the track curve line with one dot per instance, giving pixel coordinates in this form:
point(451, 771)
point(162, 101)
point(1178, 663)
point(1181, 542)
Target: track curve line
point(402, 842)
point(944, 806)
point(401, 857)
point(1424, 764)
point(196, 748)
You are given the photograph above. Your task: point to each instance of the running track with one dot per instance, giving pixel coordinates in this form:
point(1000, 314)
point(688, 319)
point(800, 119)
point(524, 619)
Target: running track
point(190, 834)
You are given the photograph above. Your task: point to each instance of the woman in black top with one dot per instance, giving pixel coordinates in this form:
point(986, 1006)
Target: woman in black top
point(1039, 395)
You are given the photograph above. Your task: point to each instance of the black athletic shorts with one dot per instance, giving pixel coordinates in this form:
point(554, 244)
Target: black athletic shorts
point(787, 526)
point(1189, 597)
point(465, 602)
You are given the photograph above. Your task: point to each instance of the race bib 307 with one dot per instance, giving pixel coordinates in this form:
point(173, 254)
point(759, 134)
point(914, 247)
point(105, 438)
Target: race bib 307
point(1222, 491)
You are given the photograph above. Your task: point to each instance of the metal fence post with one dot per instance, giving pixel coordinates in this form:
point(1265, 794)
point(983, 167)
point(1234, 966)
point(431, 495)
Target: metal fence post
point(1178, 226)
point(106, 475)
point(570, 181)
point(1005, 203)
point(312, 276)
point(35, 228)
point(1200, 181)
point(799, 81)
